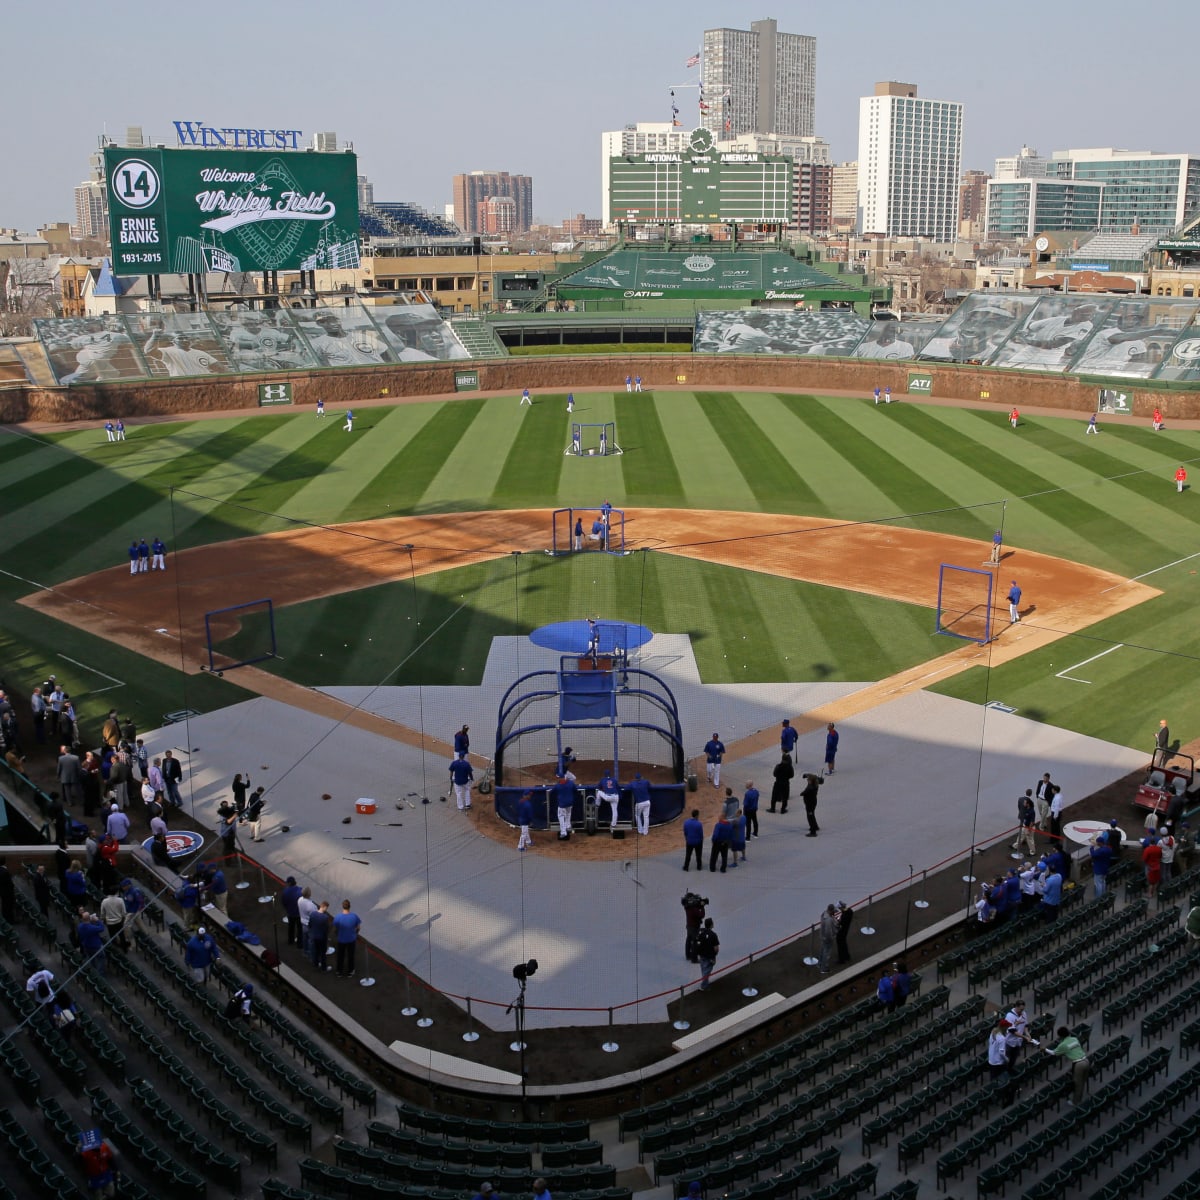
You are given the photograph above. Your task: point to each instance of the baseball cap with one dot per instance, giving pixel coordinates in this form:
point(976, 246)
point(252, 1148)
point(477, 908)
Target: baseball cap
point(485, 1189)
point(201, 931)
point(1004, 1024)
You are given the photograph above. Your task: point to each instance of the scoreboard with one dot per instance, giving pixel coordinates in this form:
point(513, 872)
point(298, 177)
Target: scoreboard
point(700, 185)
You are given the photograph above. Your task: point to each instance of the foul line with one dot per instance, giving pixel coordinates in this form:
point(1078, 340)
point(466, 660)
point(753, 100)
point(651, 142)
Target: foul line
point(1147, 574)
point(1072, 679)
point(116, 683)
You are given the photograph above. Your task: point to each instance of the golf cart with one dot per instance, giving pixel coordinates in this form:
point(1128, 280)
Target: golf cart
point(1170, 786)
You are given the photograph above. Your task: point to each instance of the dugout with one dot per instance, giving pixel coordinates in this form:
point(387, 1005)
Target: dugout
point(614, 716)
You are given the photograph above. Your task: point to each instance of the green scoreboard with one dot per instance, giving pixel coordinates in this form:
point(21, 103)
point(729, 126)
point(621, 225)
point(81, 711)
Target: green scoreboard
point(700, 185)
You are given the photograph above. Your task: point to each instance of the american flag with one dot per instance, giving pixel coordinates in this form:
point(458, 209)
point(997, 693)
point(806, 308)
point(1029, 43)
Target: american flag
point(694, 61)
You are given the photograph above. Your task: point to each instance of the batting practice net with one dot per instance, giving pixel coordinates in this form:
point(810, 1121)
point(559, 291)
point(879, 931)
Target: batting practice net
point(578, 530)
point(247, 632)
point(593, 441)
point(964, 603)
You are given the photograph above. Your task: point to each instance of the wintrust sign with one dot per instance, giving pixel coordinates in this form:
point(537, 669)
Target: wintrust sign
point(213, 137)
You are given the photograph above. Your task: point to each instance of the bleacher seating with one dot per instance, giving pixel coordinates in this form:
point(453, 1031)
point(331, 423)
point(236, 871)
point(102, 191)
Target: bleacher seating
point(399, 218)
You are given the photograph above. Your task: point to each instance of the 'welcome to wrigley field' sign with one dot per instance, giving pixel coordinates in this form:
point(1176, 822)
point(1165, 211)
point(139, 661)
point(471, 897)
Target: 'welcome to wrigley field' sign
point(194, 211)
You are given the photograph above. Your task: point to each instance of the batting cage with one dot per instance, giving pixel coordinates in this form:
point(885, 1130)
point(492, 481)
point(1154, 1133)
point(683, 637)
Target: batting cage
point(575, 530)
point(964, 603)
point(593, 440)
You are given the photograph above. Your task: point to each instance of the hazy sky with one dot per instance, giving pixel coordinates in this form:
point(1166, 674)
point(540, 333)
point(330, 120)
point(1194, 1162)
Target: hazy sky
point(426, 89)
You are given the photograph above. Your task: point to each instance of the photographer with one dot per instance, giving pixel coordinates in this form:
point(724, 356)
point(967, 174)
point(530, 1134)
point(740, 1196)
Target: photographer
point(694, 908)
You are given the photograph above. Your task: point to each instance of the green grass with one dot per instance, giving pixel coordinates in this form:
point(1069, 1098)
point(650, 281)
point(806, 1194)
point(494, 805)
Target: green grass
point(745, 627)
point(72, 502)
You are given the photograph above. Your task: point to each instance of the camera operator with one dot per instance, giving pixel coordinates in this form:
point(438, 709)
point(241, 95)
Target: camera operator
point(694, 908)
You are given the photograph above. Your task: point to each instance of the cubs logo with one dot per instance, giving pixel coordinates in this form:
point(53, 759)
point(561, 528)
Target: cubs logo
point(180, 843)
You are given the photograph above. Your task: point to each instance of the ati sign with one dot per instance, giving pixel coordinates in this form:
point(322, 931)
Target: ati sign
point(920, 385)
point(466, 381)
point(274, 393)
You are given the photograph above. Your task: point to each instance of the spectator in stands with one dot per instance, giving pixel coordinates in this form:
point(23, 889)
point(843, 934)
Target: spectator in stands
point(110, 734)
point(112, 913)
point(1051, 895)
point(90, 769)
point(487, 1192)
point(320, 923)
point(41, 889)
point(997, 1052)
point(40, 985)
point(901, 983)
point(1101, 855)
point(133, 897)
point(117, 824)
point(70, 777)
point(1069, 1048)
point(540, 1190)
point(345, 928)
point(64, 1014)
point(1184, 845)
point(290, 899)
point(37, 702)
point(1115, 838)
point(74, 885)
point(1026, 820)
point(99, 1165)
point(200, 953)
point(188, 896)
point(1152, 865)
point(984, 912)
point(1166, 842)
point(91, 940)
point(240, 1006)
point(845, 919)
point(160, 852)
point(885, 992)
point(1018, 1031)
point(998, 897)
point(828, 928)
point(216, 889)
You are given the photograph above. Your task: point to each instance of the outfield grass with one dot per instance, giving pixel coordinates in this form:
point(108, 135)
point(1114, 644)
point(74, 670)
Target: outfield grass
point(73, 501)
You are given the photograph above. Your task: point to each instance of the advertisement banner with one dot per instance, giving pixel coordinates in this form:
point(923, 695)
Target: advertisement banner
point(466, 381)
point(920, 385)
point(199, 211)
point(274, 393)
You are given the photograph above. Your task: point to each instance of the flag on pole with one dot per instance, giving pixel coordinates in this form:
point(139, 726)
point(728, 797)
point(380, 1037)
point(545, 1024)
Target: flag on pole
point(694, 61)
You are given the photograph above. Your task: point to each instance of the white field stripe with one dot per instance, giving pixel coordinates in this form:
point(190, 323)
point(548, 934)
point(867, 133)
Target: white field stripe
point(1065, 675)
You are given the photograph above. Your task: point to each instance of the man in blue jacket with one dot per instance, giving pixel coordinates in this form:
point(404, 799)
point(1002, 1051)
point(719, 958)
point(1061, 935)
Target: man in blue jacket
point(722, 836)
point(714, 751)
point(461, 775)
point(290, 899)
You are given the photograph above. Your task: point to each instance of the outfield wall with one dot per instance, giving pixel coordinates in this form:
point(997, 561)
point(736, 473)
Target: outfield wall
point(1003, 388)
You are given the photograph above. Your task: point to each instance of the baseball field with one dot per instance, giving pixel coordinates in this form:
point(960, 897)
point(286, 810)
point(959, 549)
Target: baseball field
point(389, 553)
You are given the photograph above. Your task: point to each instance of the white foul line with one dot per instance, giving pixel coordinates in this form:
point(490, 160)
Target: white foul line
point(1147, 574)
point(96, 691)
point(1064, 675)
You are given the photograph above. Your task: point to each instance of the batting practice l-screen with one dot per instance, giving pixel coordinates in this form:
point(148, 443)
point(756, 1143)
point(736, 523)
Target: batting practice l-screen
point(244, 633)
point(964, 603)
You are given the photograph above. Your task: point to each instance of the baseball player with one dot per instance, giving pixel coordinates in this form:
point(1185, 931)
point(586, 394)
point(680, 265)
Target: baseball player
point(997, 543)
point(120, 430)
point(110, 430)
point(608, 791)
point(877, 393)
point(1014, 601)
point(637, 383)
point(320, 408)
point(714, 751)
point(158, 552)
point(578, 533)
point(526, 398)
point(143, 556)
point(349, 425)
point(524, 820)
point(629, 383)
point(1091, 425)
point(887, 394)
point(570, 402)
point(461, 775)
point(1014, 417)
point(1180, 478)
point(1156, 422)
point(133, 557)
point(788, 738)
point(641, 803)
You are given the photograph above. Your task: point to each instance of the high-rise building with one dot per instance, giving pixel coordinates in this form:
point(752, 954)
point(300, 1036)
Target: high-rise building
point(325, 143)
point(1018, 208)
point(843, 188)
point(366, 192)
point(477, 186)
point(812, 192)
point(91, 212)
point(759, 80)
point(909, 163)
point(1028, 164)
point(1155, 192)
point(972, 198)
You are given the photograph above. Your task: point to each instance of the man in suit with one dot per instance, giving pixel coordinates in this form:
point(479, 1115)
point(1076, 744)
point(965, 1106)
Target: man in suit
point(70, 776)
point(1043, 793)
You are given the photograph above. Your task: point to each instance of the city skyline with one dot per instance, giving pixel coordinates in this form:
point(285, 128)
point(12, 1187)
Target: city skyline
point(541, 82)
